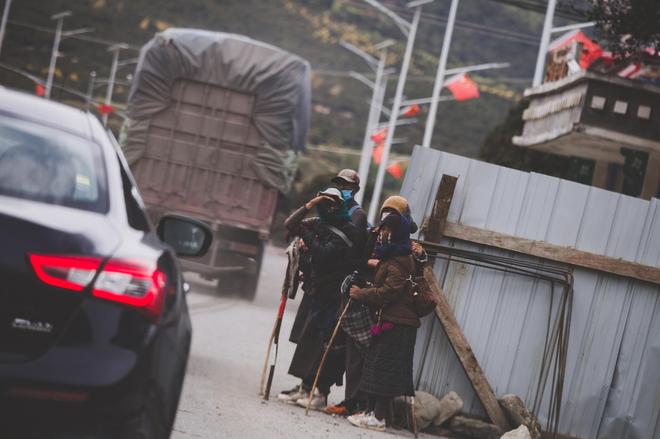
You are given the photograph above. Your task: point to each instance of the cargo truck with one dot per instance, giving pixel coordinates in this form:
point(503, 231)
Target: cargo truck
point(214, 123)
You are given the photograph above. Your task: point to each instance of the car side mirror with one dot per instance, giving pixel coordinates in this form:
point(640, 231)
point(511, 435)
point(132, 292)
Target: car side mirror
point(187, 236)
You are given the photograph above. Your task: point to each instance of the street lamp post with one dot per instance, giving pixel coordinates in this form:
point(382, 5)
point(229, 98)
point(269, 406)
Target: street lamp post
point(3, 23)
point(56, 47)
point(378, 94)
point(548, 30)
point(440, 75)
point(411, 32)
point(115, 49)
point(545, 40)
point(90, 89)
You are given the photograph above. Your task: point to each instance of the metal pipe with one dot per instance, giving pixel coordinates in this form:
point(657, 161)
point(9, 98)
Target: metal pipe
point(372, 120)
point(440, 75)
point(423, 101)
point(545, 40)
point(111, 81)
point(3, 23)
point(90, 89)
point(363, 79)
point(555, 30)
point(380, 177)
point(56, 47)
point(475, 68)
point(373, 62)
point(403, 25)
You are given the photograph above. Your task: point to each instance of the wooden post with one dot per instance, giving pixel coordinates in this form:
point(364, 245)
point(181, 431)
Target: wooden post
point(438, 219)
point(652, 177)
point(445, 314)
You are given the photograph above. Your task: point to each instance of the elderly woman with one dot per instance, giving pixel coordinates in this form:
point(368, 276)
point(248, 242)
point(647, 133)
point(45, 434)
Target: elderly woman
point(388, 368)
point(332, 247)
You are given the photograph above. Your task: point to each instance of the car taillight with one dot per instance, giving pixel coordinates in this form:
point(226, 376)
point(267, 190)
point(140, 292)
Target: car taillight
point(132, 283)
point(70, 272)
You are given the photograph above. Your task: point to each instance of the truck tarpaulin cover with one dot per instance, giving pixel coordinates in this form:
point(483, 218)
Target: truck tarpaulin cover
point(279, 81)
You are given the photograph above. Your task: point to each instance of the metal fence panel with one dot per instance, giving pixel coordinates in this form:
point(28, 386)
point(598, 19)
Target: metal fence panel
point(612, 387)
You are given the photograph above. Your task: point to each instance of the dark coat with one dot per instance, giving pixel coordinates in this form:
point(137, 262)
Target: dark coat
point(328, 260)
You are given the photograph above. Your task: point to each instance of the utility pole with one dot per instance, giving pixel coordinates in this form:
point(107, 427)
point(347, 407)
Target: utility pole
point(545, 40)
point(56, 47)
point(378, 94)
point(440, 75)
point(412, 31)
point(115, 49)
point(3, 23)
point(90, 89)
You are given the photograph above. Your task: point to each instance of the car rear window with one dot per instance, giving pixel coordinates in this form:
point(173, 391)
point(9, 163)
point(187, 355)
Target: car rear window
point(51, 166)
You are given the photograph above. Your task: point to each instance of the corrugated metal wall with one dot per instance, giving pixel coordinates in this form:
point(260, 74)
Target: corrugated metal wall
point(612, 386)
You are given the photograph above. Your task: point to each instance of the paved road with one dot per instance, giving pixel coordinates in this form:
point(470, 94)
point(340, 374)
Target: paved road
point(229, 340)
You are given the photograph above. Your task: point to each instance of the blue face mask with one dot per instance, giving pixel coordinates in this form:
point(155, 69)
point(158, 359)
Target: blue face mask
point(346, 194)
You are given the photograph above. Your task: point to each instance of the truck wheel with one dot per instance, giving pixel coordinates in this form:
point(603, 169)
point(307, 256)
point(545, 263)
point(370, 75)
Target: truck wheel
point(242, 284)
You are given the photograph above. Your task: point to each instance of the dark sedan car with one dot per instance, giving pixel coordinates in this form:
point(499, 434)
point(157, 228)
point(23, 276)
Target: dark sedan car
point(94, 327)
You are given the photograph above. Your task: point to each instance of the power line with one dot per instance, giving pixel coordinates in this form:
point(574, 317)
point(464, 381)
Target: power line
point(517, 37)
point(85, 38)
point(563, 11)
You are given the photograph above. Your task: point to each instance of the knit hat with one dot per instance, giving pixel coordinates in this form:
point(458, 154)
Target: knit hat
point(397, 203)
point(347, 175)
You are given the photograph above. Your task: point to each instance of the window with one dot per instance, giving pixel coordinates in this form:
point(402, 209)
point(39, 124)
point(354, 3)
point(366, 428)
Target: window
point(598, 102)
point(644, 112)
point(621, 107)
point(51, 166)
point(136, 215)
point(135, 210)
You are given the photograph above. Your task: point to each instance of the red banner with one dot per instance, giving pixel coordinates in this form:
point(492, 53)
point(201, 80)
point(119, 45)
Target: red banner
point(462, 87)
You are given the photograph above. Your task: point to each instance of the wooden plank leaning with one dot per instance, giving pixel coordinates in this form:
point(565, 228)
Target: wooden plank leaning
point(553, 252)
point(433, 230)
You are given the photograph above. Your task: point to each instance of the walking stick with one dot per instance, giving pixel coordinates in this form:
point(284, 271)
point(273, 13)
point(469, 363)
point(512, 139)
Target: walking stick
point(325, 355)
point(274, 340)
point(290, 282)
point(414, 417)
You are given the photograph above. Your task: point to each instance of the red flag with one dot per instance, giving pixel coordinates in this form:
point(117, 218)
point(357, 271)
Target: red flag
point(395, 170)
point(410, 111)
point(105, 109)
point(377, 153)
point(39, 90)
point(462, 87)
point(379, 136)
point(591, 51)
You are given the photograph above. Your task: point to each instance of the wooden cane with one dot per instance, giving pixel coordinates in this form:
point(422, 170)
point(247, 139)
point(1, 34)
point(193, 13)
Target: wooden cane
point(325, 355)
point(414, 417)
point(265, 368)
point(274, 340)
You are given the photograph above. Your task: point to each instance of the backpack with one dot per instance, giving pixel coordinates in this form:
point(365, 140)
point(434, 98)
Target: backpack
point(423, 297)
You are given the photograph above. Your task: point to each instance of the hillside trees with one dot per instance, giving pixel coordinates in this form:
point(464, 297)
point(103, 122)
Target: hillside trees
point(630, 26)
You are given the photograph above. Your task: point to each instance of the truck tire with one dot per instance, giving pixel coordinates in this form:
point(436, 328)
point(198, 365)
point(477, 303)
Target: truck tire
point(242, 284)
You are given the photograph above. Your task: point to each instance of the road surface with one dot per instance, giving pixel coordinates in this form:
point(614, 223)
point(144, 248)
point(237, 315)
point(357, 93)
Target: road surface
point(229, 341)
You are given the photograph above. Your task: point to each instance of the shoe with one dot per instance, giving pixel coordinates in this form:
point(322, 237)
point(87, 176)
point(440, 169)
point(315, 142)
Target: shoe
point(339, 410)
point(290, 391)
point(319, 401)
point(368, 421)
point(294, 396)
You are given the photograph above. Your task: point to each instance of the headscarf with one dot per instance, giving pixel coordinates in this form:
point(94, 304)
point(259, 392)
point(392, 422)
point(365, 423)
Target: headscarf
point(394, 236)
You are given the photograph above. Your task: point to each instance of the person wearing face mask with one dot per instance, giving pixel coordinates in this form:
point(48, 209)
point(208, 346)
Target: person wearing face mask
point(348, 182)
point(331, 248)
point(387, 371)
